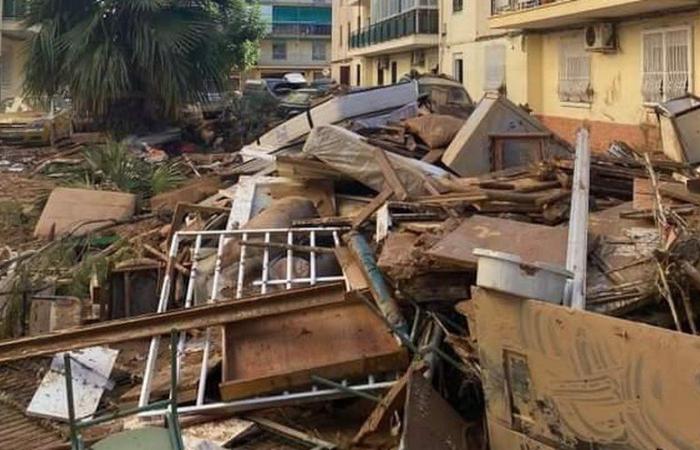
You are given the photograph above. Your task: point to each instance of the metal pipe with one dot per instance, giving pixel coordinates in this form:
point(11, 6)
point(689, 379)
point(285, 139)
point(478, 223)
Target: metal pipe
point(380, 290)
point(345, 388)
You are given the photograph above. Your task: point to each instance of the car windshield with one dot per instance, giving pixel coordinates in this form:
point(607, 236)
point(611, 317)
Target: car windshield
point(446, 94)
point(298, 97)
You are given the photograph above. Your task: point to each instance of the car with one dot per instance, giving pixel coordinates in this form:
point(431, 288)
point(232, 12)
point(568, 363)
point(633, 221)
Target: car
point(324, 85)
point(25, 121)
point(297, 102)
point(444, 94)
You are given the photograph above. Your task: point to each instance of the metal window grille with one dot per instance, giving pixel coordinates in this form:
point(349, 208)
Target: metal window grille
point(495, 79)
point(666, 70)
point(574, 71)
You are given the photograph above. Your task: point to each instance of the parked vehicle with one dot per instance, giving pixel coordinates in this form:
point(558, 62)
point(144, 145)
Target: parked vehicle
point(445, 95)
point(297, 102)
point(25, 121)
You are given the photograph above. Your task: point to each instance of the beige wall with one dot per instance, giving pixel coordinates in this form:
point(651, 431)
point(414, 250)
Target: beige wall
point(467, 34)
point(617, 111)
point(12, 72)
point(616, 78)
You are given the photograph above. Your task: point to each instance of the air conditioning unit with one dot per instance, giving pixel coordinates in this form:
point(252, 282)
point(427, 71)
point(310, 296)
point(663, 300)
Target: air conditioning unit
point(600, 37)
point(418, 58)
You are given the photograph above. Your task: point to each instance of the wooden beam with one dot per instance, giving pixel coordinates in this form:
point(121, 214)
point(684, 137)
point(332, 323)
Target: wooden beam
point(390, 175)
point(156, 324)
point(376, 203)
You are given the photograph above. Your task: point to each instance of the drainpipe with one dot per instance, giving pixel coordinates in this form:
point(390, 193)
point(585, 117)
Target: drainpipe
point(380, 290)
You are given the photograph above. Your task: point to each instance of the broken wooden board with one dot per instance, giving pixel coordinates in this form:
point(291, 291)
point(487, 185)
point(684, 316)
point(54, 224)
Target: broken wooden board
point(90, 370)
point(192, 192)
point(533, 243)
point(283, 352)
point(575, 379)
point(79, 211)
point(643, 199)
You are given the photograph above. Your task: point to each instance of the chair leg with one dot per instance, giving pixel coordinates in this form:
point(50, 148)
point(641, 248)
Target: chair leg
point(76, 442)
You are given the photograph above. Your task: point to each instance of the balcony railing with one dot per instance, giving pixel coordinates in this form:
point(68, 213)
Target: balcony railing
point(14, 9)
point(300, 29)
point(502, 6)
point(415, 21)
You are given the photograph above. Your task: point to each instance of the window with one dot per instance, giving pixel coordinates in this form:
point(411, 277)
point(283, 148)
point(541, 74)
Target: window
point(456, 5)
point(318, 51)
point(495, 77)
point(458, 68)
point(574, 71)
point(279, 50)
point(665, 64)
point(358, 75)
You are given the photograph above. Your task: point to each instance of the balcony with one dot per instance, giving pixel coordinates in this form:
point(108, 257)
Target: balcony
point(300, 30)
point(410, 30)
point(543, 14)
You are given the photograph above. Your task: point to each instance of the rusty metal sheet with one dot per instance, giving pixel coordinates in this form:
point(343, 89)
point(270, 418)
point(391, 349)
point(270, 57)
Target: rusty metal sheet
point(575, 379)
point(279, 352)
point(429, 421)
point(533, 243)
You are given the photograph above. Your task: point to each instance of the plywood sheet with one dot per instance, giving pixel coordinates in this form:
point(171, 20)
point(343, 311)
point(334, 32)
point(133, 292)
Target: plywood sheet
point(68, 208)
point(575, 379)
point(533, 243)
point(192, 192)
point(282, 352)
point(90, 369)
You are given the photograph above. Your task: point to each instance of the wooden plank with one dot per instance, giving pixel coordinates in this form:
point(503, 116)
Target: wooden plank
point(282, 352)
point(533, 243)
point(376, 203)
point(679, 192)
point(191, 192)
point(79, 211)
point(353, 273)
point(390, 176)
point(148, 325)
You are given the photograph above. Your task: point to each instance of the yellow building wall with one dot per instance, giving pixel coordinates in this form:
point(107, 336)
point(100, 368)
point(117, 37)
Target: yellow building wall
point(467, 33)
point(12, 67)
point(617, 109)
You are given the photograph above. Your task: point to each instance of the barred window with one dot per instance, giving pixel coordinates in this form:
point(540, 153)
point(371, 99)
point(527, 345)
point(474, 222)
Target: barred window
point(495, 77)
point(574, 71)
point(666, 64)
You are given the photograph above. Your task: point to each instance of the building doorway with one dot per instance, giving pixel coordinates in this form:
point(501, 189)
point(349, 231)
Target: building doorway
point(345, 75)
point(380, 75)
point(394, 72)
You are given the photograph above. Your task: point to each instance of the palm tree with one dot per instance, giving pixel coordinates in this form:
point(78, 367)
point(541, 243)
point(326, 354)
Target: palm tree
point(136, 62)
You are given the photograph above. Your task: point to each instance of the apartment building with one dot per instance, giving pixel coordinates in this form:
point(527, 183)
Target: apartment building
point(13, 34)
point(298, 39)
point(483, 59)
point(605, 63)
point(376, 42)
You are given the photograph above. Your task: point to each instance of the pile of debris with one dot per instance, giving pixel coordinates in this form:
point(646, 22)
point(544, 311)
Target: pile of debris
point(321, 290)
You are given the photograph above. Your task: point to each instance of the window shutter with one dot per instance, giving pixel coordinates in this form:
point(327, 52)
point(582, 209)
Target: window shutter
point(653, 68)
point(495, 78)
point(677, 64)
